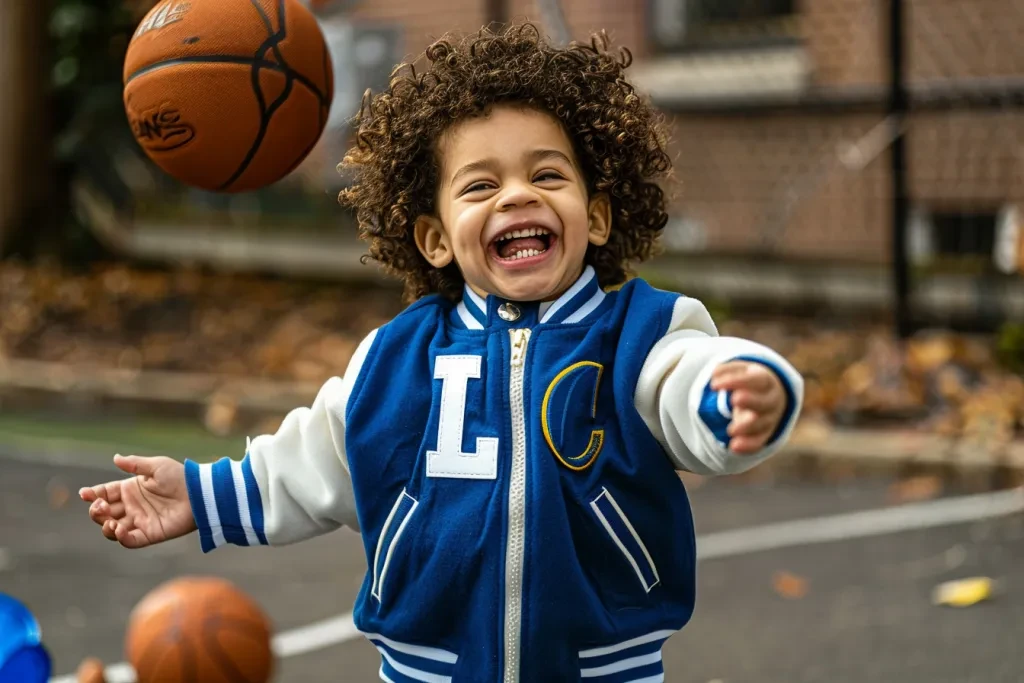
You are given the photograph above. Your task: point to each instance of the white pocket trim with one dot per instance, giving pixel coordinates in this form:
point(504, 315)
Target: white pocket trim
point(618, 541)
point(378, 580)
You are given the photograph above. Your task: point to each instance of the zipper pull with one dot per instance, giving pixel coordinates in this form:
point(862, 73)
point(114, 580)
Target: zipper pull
point(520, 337)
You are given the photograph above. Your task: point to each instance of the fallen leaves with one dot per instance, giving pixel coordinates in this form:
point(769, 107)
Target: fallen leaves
point(226, 324)
point(235, 326)
point(964, 592)
point(789, 586)
point(57, 494)
point(944, 383)
point(916, 489)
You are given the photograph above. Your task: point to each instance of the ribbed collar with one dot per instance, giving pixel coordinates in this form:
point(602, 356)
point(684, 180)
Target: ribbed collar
point(575, 305)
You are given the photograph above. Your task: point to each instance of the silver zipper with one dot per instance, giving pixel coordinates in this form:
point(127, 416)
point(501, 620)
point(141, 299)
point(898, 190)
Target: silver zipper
point(516, 545)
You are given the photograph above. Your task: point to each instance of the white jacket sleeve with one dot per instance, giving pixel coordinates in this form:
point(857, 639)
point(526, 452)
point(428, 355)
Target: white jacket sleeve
point(688, 418)
point(291, 485)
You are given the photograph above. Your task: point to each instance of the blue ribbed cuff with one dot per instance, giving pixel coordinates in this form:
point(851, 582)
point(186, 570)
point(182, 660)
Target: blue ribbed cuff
point(193, 482)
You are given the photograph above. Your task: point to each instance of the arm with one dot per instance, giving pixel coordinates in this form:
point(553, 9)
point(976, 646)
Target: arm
point(291, 485)
point(689, 418)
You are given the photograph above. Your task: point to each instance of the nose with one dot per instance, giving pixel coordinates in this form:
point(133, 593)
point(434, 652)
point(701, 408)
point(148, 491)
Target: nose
point(517, 196)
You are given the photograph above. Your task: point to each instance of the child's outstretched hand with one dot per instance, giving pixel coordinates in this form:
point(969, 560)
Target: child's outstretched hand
point(758, 403)
point(148, 508)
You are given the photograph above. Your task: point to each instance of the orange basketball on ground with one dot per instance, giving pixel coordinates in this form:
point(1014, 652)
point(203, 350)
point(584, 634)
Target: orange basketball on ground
point(228, 95)
point(199, 629)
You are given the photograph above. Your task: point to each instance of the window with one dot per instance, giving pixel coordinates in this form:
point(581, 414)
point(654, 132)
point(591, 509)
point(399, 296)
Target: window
point(971, 239)
point(363, 56)
point(964, 234)
point(701, 24)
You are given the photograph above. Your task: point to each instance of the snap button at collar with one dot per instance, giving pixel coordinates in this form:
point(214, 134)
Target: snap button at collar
point(509, 312)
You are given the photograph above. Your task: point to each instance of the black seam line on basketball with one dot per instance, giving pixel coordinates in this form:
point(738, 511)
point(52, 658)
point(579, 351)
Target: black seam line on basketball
point(263, 15)
point(265, 113)
point(231, 59)
point(206, 59)
point(273, 37)
point(274, 43)
point(282, 32)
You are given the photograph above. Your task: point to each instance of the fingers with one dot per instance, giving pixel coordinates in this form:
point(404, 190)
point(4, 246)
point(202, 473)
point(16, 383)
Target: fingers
point(101, 511)
point(749, 431)
point(128, 535)
point(750, 423)
point(743, 375)
point(110, 492)
point(749, 400)
point(108, 530)
point(134, 464)
point(726, 373)
point(748, 445)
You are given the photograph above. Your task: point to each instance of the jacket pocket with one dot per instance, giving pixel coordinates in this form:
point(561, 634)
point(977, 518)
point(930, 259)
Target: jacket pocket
point(390, 534)
point(625, 537)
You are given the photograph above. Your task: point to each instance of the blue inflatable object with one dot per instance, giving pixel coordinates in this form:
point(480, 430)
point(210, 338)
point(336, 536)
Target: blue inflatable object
point(23, 659)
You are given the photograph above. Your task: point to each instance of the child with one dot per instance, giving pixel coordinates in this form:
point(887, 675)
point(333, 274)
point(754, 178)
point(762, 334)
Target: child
point(508, 445)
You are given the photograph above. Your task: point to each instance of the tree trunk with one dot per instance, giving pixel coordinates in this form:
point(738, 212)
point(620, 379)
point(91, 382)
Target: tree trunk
point(24, 154)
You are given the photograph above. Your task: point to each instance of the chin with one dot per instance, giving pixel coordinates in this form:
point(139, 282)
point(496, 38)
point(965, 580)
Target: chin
point(524, 292)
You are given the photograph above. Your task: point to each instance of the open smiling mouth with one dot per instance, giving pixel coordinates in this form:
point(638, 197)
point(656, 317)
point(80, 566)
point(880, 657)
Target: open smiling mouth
point(522, 244)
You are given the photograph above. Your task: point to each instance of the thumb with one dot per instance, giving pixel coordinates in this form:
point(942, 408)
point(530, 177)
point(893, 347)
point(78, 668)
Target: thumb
point(133, 464)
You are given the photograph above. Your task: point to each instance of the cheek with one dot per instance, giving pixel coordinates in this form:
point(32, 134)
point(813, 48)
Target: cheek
point(576, 223)
point(468, 226)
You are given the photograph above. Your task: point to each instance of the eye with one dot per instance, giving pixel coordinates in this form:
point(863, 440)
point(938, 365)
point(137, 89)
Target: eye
point(548, 175)
point(477, 187)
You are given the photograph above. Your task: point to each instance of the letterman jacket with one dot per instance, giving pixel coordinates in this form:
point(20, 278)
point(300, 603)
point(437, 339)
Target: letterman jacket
point(512, 470)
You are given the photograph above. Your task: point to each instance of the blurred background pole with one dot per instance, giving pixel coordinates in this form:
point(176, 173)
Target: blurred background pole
point(24, 156)
point(553, 20)
point(496, 11)
point(897, 113)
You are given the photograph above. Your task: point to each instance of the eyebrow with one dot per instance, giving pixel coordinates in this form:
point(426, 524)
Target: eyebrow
point(487, 164)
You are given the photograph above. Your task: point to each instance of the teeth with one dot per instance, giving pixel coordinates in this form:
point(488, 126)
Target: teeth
point(526, 253)
point(528, 232)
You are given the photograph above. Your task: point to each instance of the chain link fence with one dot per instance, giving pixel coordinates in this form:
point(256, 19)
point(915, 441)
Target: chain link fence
point(873, 145)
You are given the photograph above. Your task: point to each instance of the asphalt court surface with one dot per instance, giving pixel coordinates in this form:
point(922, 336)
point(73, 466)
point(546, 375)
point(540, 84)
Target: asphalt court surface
point(853, 610)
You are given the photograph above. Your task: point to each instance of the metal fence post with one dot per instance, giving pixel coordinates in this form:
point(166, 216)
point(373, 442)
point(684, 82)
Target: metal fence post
point(900, 203)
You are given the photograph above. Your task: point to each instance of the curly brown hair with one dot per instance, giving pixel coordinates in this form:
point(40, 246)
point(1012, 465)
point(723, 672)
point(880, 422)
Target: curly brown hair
point(618, 137)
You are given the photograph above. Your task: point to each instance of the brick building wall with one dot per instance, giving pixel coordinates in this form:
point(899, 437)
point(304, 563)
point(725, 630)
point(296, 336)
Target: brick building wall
point(754, 180)
point(775, 182)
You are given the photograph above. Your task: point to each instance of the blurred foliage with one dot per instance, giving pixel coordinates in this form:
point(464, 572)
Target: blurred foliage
point(88, 40)
point(1010, 345)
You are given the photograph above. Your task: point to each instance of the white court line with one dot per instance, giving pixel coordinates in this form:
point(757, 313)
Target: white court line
point(802, 532)
point(299, 641)
point(936, 513)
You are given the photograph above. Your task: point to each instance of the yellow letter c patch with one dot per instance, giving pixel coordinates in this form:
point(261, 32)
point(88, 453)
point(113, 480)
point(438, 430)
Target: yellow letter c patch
point(570, 431)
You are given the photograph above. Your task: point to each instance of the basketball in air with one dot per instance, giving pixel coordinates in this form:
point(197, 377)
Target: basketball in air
point(199, 629)
point(228, 95)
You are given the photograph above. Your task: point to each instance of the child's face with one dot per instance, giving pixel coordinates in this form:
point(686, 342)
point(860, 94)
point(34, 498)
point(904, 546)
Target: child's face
point(512, 207)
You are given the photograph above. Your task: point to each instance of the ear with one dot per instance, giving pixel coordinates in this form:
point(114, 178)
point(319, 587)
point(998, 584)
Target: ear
point(432, 241)
point(599, 219)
